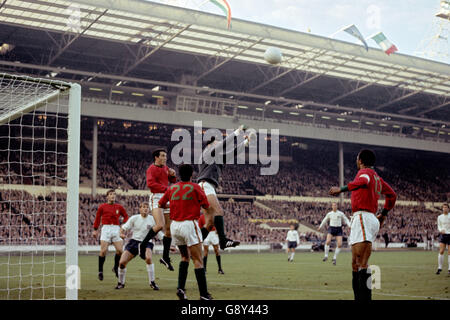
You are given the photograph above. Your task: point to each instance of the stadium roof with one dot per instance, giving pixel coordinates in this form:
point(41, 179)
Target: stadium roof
point(150, 44)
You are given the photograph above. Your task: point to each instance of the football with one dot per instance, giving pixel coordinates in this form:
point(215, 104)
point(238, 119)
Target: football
point(273, 55)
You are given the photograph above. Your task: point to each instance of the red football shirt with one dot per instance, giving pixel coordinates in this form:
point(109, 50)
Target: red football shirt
point(186, 199)
point(110, 214)
point(158, 178)
point(202, 222)
point(366, 190)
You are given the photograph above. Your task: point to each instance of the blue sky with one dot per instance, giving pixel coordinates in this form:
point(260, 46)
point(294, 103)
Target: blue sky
point(406, 23)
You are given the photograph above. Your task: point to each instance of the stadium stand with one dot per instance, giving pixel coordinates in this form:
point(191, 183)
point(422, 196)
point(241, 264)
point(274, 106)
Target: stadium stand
point(311, 171)
point(39, 219)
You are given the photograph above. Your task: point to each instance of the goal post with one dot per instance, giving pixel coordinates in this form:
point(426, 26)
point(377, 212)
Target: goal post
point(73, 179)
point(39, 187)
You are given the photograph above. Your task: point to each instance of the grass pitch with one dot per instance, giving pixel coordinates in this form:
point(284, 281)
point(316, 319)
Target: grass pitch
point(250, 276)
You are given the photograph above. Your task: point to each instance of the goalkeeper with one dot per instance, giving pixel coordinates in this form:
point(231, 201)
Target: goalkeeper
point(208, 179)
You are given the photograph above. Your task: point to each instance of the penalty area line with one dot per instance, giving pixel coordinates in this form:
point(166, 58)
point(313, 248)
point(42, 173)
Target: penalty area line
point(313, 290)
point(300, 289)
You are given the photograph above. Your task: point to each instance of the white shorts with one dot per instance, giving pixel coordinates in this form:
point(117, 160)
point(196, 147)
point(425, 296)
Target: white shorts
point(212, 239)
point(365, 227)
point(153, 202)
point(185, 233)
point(208, 188)
point(110, 233)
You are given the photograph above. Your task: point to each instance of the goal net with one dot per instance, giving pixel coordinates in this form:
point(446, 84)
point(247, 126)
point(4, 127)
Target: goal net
point(39, 181)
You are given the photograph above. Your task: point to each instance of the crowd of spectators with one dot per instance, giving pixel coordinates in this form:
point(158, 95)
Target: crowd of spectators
point(26, 219)
point(405, 224)
point(415, 176)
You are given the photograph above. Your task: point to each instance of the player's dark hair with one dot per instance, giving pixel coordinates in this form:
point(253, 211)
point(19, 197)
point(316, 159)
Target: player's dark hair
point(156, 153)
point(446, 204)
point(367, 157)
point(186, 171)
point(110, 191)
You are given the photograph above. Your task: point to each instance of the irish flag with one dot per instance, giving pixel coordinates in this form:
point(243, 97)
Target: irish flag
point(225, 7)
point(384, 43)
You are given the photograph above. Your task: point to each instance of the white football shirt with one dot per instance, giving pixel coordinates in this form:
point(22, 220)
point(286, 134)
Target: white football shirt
point(292, 235)
point(335, 218)
point(140, 226)
point(444, 223)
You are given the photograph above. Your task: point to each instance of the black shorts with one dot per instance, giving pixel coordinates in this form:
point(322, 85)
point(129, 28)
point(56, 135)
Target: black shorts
point(335, 231)
point(133, 246)
point(444, 238)
point(292, 244)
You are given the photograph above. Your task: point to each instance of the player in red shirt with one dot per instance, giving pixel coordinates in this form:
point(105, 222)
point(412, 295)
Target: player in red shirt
point(366, 189)
point(158, 178)
point(186, 200)
point(211, 239)
point(109, 215)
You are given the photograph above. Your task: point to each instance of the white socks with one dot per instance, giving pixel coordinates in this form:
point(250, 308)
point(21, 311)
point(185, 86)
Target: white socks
point(448, 262)
point(151, 272)
point(122, 273)
point(327, 249)
point(336, 253)
point(292, 256)
point(441, 261)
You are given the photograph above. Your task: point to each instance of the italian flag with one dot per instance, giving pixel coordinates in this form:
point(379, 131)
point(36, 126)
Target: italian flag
point(384, 43)
point(225, 7)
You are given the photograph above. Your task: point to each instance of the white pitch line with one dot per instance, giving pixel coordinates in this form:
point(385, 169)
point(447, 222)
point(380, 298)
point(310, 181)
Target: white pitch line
point(314, 290)
point(381, 266)
point(306, 289)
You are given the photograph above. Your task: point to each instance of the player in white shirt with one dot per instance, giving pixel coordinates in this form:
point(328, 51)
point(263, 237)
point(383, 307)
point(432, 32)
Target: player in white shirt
point(292, 241)
point(443, 223)
point(139, 225)
point(335, 229)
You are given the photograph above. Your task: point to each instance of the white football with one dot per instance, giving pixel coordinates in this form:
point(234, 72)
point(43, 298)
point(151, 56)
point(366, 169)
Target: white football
point(273, 55)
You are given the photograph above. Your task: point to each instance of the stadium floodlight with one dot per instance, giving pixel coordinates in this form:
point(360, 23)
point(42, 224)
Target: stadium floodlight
point(39, 174)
